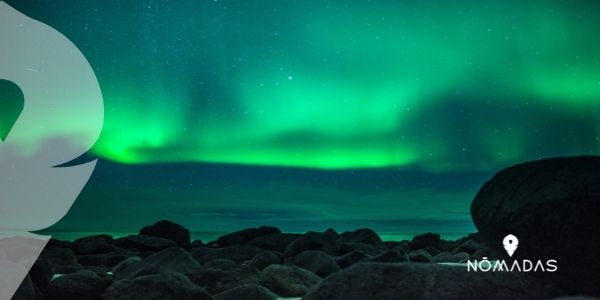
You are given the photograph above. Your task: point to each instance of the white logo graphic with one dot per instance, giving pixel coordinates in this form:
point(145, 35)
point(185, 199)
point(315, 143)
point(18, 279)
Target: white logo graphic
point(60, 119)
point(511, 243)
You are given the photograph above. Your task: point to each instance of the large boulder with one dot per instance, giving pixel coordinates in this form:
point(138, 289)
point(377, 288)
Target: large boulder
point(144, 243)
point(384, 281)
point(81, 285)
point(217, 281)
point(164, 286)
point(288, 281)
point(62, 260)
point(27, 290)
point(351, 258)
point(109, 259)
point(363, 236)
point(312, 241)
point(246, 235)
point(172, 260)
point(317, 262)
point(168, 230)
point(348, 247)
point(390, 256)
point(552, 207)
point(237, 253)
point(426, 240)
point(247, 292)
point(93, 244)
point(264, 259)
point(274, 242)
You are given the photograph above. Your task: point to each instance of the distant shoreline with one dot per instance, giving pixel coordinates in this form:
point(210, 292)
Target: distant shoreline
point(71, 235)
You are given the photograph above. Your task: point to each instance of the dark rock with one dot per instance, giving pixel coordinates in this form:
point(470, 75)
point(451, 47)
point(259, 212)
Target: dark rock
point(244, 236)
point(334, 234)
point(433, 251)
point(447, 257)
point(63, 260)
point(58, 243)
point(197, 243)
point(311, 241)
point(404, 245)
point(125, 264)
point(41, 273)
point(237, 253)
point(288, 281)
point(552, 207)
point(217, 281)
point(426, 240)
point(390, 256)
point(172, 260)
point(365, 248)
point(480, 254)
point(424, 281)
point(362, 236)
point(144, 243)
point(264, 259)
point(469, 246)
point(274, 242)
point(351, 258)
point(247, 292)
point(103, 259)
point(80, 285)
point(27, 290)
point(317, 262)
point(168, 230)
point(420, 256)
point(221, 264)
point(93, 244)
point(163, 286)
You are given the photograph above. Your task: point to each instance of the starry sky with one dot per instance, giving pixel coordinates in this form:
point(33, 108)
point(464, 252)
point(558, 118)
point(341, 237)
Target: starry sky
point(325, 90)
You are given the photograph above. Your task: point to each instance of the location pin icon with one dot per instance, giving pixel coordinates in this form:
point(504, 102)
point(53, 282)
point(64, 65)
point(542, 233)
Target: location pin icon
point(511, 243)
point(11, 106)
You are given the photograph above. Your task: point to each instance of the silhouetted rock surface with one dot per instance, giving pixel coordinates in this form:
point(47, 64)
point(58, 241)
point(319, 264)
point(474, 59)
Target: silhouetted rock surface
point(390, 256)
point(237, 253)
point(217, 281)
point(317, 262)
point(288, 281)
point(274, 242)
point(93, 245)
point(246, 235)
point(168, 230)
point(426, 240)
point(80, 285)
point(312, 241)
point(351, 258)
point(424, 281)
point(144, 243)
point(420, 255)
point(363, 236)
point(552, 207)
point(264, 259)
point(169, 260)
point(164, 286)
point(247, 292)
point(262, 263)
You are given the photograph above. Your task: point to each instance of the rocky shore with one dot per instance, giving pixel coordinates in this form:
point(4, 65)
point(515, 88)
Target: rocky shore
point(541, 202)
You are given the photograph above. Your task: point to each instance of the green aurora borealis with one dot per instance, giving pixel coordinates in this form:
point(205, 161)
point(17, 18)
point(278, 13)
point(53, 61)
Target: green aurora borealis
point(465, 85)
point(310, 114)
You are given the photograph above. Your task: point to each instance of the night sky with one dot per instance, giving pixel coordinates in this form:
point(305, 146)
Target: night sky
point(310, 114)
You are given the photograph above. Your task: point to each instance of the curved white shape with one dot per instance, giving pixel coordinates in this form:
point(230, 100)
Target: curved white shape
point(61, 119)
